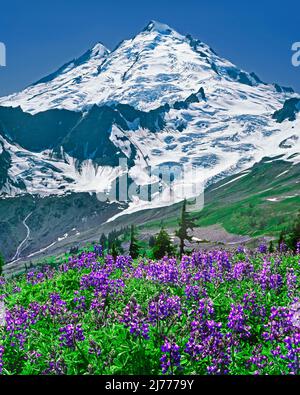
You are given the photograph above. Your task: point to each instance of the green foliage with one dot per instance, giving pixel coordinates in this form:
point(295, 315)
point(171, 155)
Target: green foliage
point(152, 241)
point(114, 243)
point(163, 245)
point(246, 205)
point(103, 241)
point(114, 251)
point(186, 223)
point(291, 236)
point(134, 245)
point(121, 352)
point(2, 263)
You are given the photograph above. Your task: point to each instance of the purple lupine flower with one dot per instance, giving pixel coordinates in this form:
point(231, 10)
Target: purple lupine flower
point(170, 361)
point(266, 278)
point(241, 270)
point(35, 278)
point(116, 287)
point(17, 322)
point(56, 306)
point(292, 344)
point(1, 358)
point(34, 311)
point(205, 310)
point(79, 301)
point(164, 307)
point(276, 351)
point(240, 249)
point(94, 348)
point(237, 321)
point(283, 247)
point(279, 324)
point(263, 248)
point(30, 277)
point(295, 314)
point(98, 280)
point(252, 306)
point(165, 271)
point(134, 319)
point(124, 262)
point(32, 356)
point(276, 281)
point(207, 340)
point(258, 360)
point(98, 250)
point(98, 303)
point(56, 366)
point(291, 281)
point(71, 335)
point(192, 292)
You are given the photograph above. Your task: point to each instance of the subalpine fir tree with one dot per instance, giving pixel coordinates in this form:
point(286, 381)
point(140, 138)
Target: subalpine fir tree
point(114, 250)
point(111, 239)
point(134, 246)
point(2, 263)
point(271, 247)
point(103, 241)
point(163, 245)
point(293, 236)
point(152, 241)
point(282, 238)
point(185, 224)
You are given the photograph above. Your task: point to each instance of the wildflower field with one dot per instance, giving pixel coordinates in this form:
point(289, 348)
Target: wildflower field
point(214, 312)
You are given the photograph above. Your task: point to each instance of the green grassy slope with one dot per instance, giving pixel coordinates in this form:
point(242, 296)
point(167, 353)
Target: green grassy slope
point(260, 201)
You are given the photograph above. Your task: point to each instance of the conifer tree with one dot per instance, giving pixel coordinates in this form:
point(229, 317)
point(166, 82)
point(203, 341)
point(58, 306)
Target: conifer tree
point(103, 241)
point(282, 237)
point(134, 247)
point(152, 241)
point(2, 263)
point(293, 236)
point(163, 245)
point(271, 247)
point(114, 250)
point(185, 224)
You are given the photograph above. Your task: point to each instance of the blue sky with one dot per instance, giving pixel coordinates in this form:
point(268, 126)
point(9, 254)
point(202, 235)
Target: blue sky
point(40, 36)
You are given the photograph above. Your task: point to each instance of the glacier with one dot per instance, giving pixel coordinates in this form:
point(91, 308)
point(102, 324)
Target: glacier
point(164, 98)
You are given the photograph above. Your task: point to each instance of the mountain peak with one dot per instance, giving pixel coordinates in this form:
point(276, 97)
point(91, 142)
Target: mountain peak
point(99, 50)
point(161, 28)
point(155, 26)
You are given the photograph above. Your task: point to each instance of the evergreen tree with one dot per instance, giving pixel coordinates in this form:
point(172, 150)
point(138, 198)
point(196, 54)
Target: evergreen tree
point(103, 241)
point(134, 247)
point(293, 236)
point(152, 241)
point(282, 237)
point(111, 239)
point(185, 224)
point(163, 245)
point(74, 250)
point(271, 247)
point(2, 263)
point(114, 250)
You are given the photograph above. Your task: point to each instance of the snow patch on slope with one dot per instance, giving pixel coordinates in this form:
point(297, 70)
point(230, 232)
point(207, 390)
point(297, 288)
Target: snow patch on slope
point(43, 174)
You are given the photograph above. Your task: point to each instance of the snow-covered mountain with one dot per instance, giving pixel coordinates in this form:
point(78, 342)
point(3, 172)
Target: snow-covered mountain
point(158, 99)
point(156, 67)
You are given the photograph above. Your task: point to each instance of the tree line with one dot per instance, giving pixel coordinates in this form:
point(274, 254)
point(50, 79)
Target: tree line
point(162, 245)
